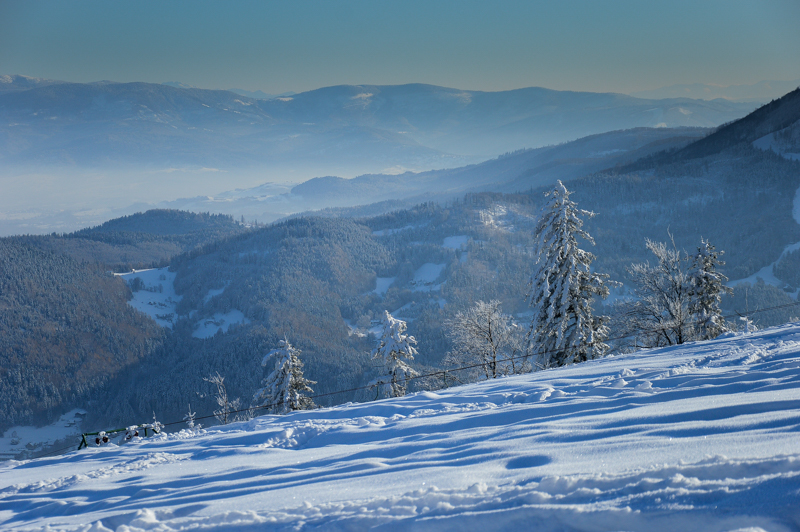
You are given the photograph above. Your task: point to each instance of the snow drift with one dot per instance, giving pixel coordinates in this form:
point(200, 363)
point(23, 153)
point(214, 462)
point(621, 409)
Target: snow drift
point(702, 436)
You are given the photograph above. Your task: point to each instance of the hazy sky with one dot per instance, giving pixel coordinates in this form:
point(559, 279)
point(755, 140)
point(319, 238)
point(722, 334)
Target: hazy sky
point(297, 45)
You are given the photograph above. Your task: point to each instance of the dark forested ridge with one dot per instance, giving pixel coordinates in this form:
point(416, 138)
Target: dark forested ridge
point(65, 323)
point(140, 240)
point(65, 329)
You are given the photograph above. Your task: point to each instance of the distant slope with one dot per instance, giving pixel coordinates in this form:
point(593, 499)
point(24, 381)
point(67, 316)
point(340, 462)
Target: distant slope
point(140, 240)
point(760, 92)
point(770, 118)
point(151, 125)
point(490, 123)
point(721, 187)
point(517, 171)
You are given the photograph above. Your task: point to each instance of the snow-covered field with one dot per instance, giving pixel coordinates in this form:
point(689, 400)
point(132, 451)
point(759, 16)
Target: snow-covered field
point(219, 322)
point(704, 436)
point(157, 297)
point(18, 439)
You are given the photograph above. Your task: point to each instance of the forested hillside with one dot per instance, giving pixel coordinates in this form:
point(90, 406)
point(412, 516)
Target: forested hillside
point(140, 240)
point(65, 329)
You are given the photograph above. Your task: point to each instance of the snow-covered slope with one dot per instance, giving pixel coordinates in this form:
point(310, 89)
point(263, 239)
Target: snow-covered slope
point(698, 437)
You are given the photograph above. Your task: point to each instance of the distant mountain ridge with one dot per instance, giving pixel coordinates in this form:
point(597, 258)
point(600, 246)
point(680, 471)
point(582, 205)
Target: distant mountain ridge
point(762, 92)
point(513, 172)
point(413, 126)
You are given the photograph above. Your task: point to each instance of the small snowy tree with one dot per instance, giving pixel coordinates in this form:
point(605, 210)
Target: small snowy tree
point(483, 335)
point(189, 419)
point(283, 387)
point(562, 288)
point(226, 406)
point(393, 347)
point(707, 289)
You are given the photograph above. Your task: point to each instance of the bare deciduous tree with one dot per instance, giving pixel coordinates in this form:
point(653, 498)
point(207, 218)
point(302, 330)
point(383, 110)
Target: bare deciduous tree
point(485, 337)
point(226, 406)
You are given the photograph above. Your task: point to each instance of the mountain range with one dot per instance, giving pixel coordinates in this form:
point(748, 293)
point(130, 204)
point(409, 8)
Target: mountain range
point(761, 92)
point(363, 127)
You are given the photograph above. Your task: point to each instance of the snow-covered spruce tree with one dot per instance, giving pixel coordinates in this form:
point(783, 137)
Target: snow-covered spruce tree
point(482, 335)
point(661, 315)
point(393, 347)
point(707, 289)
point(282, 390)
point(563, 287)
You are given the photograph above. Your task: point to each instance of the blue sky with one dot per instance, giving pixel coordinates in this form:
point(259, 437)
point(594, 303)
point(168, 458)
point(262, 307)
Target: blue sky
point(299, 45)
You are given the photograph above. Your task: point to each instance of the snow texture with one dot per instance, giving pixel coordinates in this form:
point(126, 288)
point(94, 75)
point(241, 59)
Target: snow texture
point(698, 437)
point(157, 299)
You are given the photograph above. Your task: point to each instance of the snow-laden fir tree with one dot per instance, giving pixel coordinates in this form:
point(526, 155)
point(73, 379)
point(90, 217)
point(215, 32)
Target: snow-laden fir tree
point(394, 348)
point(284, 386)
point(708, 285)
point(562, 288)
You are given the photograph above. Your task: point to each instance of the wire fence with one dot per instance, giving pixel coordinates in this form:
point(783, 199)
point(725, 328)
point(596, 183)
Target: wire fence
point(439, 373)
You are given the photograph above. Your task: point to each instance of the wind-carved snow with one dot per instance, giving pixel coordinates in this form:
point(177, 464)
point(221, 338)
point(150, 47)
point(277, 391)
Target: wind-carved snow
point(425, 277)
point(208, 327)
point(696, 437)
point(156, 296)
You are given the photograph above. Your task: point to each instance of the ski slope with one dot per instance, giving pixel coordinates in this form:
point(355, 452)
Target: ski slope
point(704, 436)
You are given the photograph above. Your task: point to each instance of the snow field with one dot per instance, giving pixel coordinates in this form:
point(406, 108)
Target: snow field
point(158, 298)
point(426, 275)
point(19, 438)
point(697, 437)
point(219, 321)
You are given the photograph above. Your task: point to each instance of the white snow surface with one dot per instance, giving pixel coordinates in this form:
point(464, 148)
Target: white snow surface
point(208, 327)
point(158, 300)
point(426, 275)
point(700, 437)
